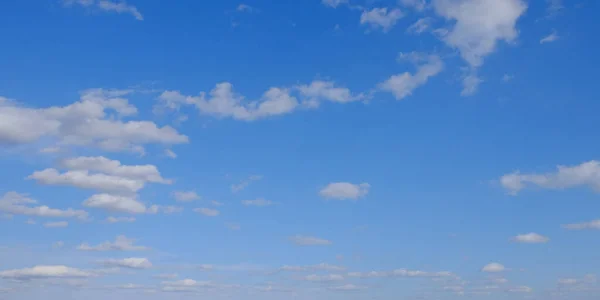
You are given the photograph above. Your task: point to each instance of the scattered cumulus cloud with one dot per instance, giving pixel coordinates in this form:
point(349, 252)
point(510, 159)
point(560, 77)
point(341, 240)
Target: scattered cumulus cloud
point(584, 174)
point(43, 271)
point(381, 18)
point(113, 220)
point(258, 202)
point(552, 37)
point(418, 5)
point(531, 238)
point(420, 26)
point(209, 212)
point(583, 226)
point(185, 196)
point(403, 85)
point(20, 204)
point(59, 224)
point(344, 191)
point(131, 263)
point(119, 7)
point(245, 183)
point(334, 3)
point(493, 268)
point(121, 243)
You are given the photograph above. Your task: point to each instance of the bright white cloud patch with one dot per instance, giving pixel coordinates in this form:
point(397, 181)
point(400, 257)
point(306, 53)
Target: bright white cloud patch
point(403, 85)
point(113, 203)
point(420, 26)
point(40, 272)
point(131, 263)
point(301, 240)
point(381, 18)
point(85, 180)
point(345, 191)
point(493, 268)
point(19, 204)
point(87, 122)
point(531, 238)
point(585, 174)
point(147, 173)
point(114, 220)
point(318, 91)
point(121, 243)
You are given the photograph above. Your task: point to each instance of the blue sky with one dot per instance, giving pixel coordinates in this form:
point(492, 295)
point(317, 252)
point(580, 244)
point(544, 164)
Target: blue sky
point(360, 149)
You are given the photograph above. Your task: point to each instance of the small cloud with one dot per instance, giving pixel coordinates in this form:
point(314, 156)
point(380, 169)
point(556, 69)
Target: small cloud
point(507, 77)
point(170, 153)
point(209, 212)
point(245, 183)
point(113, 220)
point(258, 202)
point(61, 224)
point(345, 191)
point(583, 226)
point(552, 37)
point(131, 263)
point(531, 238)
point(246, 8)
point(381, 18)
point(185, 196)
point(121, 243)
point(334, 3)
point(233, 226)
point(493, 268)
point(216, 203)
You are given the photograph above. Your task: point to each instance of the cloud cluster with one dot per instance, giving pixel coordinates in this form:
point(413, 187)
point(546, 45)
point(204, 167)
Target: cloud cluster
point(121, 243)
point(120, 7)
point(19, 204)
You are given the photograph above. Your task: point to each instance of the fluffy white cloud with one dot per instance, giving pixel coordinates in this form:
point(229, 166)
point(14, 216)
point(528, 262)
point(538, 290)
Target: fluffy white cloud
point(478, 27)
point(120, 7)
point(19, 204)
point(531, 238)
point(87, 122)
point(582, 226)
point(148, 173)
point(121, 243)
point(85, 180)
point(493, 268)
point(383, 18)
point(209, 212)
point(114, 203)
point(552, 37)
point(185, 196)
point(258, 202)
point(319, 90)
point(585, 174)
point(301, 240)
point(420, 26)
point(345, 190)
point(40, 272)
point(132, 263)
point(60, 224)
point(245, 183)
point(418, 5)
point(402, 85)
point(333, 3)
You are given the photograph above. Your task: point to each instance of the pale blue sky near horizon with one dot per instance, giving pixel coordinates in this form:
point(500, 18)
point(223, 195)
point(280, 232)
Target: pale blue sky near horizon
point(309, 151)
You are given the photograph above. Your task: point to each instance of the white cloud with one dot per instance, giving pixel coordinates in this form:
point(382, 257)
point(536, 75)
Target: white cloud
point(383, 18)
point(246, 8)
point(132, 263)
point(418, 5)
point(585, 174)
point(324, 278)
point(245, 183)
point(209, 212)
point(493, 268)
point(301, 240)
point(582, 226)
point(60, 224)
point(120, 7)
point(41, 272)
point(479, 25)
point(85, 180)
point(166, 276)
point(102, 164)
point(113, 220)
point(318, 91)
point(552, 37)
point(402, 85)
point(121, 243)
point(258, 202)
point(420, 26)
point(401, 273)
point(87, 122)
point(531, 238)
point(345, 190)
point(169, 153)
point(185, 196)
point(18, 204)
point(216, 203)
point(333, 3)
point(507, 77)
point(114, 203)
